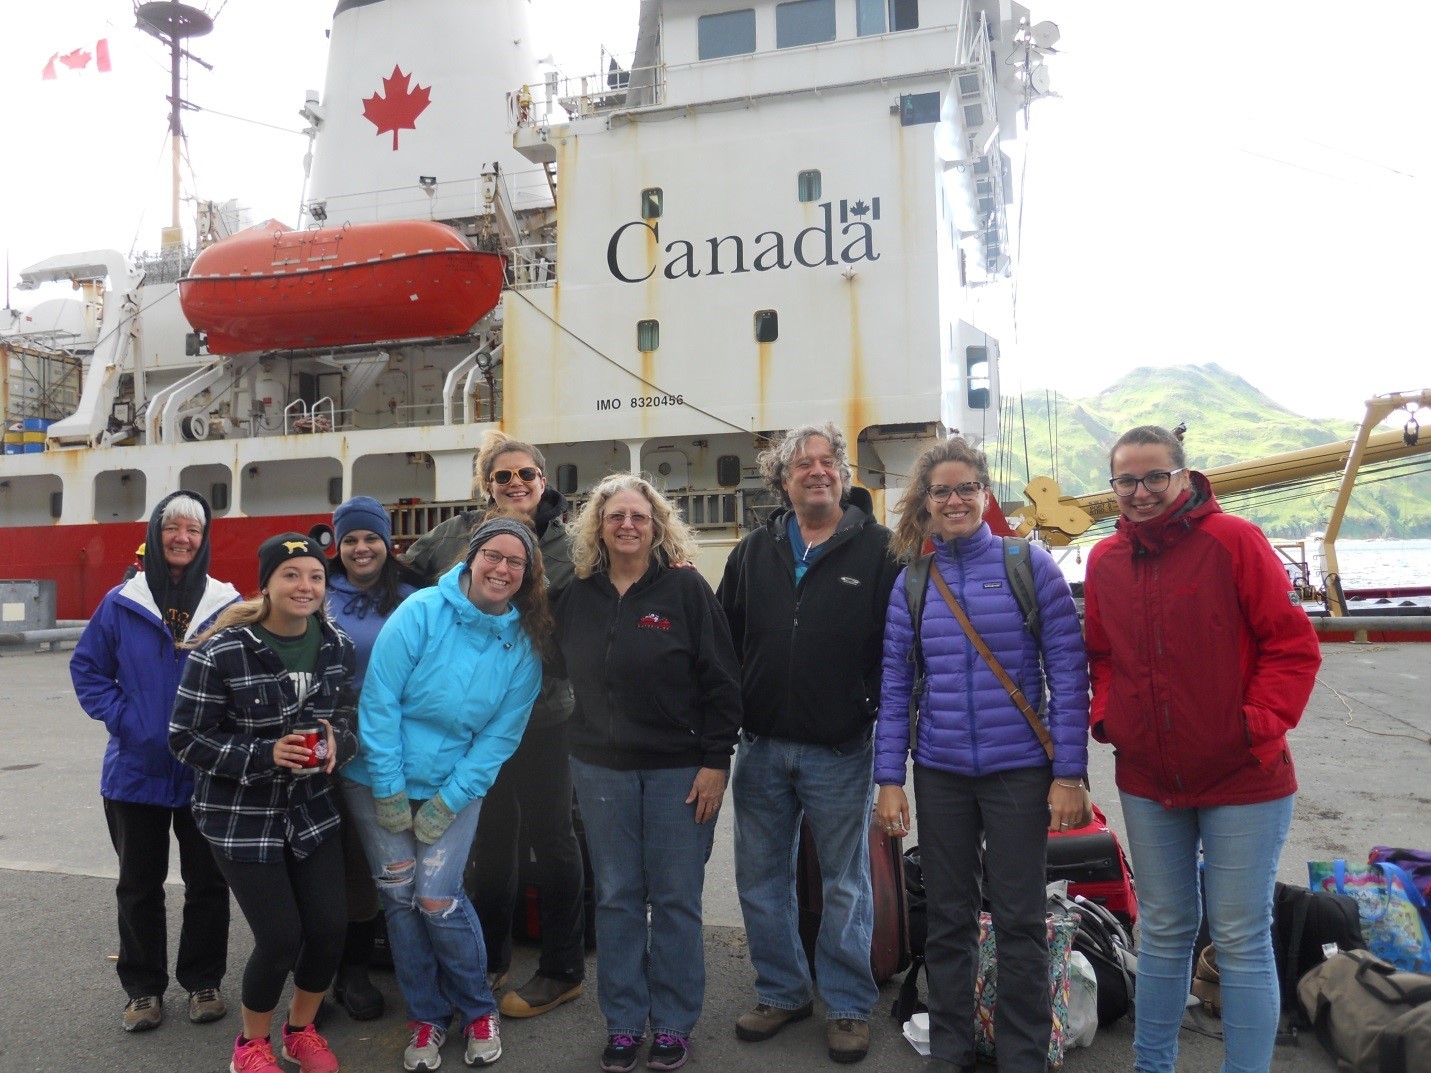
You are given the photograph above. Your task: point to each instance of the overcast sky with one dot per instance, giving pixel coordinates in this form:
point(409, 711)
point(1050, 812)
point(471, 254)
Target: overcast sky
point(1239, 182)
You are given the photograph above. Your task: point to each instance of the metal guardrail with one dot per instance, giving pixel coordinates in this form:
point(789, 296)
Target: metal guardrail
point(703, 511)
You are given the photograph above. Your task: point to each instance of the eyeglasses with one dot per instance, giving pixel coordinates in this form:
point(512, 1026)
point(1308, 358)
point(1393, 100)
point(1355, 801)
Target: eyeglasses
point(940, 493)
point(493, 557)
point(1156, 481)
point(504, 476)
point(620, 518)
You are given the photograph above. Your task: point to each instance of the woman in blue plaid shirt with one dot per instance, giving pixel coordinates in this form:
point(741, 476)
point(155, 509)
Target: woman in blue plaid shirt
point(269, 665)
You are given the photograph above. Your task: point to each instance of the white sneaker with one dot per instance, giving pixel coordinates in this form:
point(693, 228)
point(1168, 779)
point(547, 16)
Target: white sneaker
point(424, 1052)
point(484, 1041)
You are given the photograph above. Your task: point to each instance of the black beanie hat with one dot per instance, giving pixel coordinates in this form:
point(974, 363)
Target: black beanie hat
point(277, 550)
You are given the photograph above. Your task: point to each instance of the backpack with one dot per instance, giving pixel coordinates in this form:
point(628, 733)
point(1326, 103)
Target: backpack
point(1018, 568)
point(1107, 944)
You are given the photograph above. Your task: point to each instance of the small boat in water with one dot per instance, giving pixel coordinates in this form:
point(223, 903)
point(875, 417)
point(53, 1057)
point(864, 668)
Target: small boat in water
point(270, 287)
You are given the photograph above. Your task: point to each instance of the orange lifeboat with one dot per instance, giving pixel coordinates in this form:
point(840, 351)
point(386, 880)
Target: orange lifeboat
point(273, 288)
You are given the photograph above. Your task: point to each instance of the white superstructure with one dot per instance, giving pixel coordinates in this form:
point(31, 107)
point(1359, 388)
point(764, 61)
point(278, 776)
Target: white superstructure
point(776, 212)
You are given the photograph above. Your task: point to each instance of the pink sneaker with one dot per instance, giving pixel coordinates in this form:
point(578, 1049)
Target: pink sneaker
point(484, 1041)
point(255, 1056)
point(309, 1050)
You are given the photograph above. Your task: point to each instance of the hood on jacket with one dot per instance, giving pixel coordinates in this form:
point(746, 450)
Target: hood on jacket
point(177, 600)
point(1155, 534)
point(852, 518)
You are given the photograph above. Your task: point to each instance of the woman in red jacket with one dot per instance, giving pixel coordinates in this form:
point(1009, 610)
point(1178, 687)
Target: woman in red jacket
point(1201, 661)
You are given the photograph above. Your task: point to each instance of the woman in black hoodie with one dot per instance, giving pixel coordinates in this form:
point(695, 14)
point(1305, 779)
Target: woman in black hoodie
point(657, 712)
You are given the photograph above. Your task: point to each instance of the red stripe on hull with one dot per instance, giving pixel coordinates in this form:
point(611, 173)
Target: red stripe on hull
point(86, 561)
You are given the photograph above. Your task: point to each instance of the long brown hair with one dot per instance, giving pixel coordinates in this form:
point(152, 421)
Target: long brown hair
point(913, 506)
point(530, 599)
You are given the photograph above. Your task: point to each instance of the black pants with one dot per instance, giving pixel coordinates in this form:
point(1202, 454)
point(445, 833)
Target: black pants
point(299, 916)
point(140, 834)
point(532, 791)
point(1010, 810)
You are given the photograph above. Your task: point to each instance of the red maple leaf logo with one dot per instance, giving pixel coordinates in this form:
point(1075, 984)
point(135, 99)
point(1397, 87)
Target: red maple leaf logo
point(397, 107)
point(76, 59)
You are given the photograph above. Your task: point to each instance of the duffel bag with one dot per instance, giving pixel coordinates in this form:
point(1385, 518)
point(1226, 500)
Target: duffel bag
point(1370, 1016)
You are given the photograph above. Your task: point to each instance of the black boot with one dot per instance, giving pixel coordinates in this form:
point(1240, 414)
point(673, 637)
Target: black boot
point(352, 988)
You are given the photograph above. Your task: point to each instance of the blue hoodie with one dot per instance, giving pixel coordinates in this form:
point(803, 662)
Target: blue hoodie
point(446, 697)
point(126, 672)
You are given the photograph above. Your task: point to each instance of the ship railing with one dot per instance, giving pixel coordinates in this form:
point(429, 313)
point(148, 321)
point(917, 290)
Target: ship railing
point(562, 97)
point(531, 266)
point(322, 416)
point(707, 512)
point(701, 510)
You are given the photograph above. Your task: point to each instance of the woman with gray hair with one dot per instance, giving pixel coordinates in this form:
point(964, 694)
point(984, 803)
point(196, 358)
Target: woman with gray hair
point(657, 712)
point(126, 670)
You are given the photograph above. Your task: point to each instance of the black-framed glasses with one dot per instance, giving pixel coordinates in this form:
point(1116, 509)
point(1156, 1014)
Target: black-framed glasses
point(940, 493)
point(492, 557)
point(1157, 481)
point(526, 473)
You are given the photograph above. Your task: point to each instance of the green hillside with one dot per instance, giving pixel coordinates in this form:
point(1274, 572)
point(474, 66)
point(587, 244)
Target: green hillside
point(1228, 420)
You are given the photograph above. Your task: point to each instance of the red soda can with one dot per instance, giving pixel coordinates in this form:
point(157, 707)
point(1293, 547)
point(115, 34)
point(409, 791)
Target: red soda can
point(316, 742)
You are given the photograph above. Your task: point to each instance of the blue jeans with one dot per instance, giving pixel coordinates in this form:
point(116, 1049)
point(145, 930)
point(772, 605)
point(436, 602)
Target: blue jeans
point(438, 953)
point(775, 782)
point(646, 850)
point(1240, 847)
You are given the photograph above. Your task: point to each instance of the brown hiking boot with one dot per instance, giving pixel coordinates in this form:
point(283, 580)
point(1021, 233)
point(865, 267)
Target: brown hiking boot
point(143, 1013)
point(848, 1039)
point(537, 996)
point(766, 1020)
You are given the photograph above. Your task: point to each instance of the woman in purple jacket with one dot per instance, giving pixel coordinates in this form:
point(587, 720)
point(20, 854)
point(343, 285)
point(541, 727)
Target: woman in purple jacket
point(980, 772)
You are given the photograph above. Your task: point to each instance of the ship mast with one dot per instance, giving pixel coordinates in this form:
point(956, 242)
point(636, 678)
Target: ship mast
point(172, 23)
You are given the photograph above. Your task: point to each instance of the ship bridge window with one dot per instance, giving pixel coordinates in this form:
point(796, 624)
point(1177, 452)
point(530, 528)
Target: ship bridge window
point(727, 33)
point(883, 16)
point(804, 22)
point(978, 358)
point(807, 185)
point(648, 335)
point(651, 203)
point(767, 325)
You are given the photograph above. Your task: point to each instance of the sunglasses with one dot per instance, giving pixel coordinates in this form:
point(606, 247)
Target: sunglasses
point(526, 473)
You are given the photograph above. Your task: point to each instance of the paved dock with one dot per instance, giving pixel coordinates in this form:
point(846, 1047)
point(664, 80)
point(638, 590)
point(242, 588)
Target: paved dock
point(1363, 754)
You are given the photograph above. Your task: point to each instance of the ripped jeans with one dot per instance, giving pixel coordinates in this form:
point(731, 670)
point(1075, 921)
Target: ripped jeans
point(438, 953)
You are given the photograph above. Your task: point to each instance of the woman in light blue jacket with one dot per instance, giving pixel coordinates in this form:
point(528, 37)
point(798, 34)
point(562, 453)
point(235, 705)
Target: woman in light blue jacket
point(450, 684)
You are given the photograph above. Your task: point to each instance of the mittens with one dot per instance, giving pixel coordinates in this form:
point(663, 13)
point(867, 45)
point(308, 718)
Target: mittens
point(432, 820)
point(393, 813)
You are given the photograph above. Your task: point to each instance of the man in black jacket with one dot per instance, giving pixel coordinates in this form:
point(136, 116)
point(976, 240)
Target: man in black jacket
point(805, 596)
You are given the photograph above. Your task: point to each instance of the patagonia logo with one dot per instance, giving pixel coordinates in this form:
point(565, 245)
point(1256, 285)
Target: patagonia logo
point(993, 584)
point(653, 621)
point(851, 581)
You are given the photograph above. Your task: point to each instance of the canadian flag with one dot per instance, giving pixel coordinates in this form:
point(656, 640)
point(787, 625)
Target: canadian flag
point(77, 60)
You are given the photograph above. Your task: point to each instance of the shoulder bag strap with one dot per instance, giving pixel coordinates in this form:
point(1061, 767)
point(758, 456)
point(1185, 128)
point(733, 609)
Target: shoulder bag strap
point(1015, 693)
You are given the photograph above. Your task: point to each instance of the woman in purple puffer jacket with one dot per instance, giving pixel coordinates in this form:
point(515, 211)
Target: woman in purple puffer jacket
point(980, 772)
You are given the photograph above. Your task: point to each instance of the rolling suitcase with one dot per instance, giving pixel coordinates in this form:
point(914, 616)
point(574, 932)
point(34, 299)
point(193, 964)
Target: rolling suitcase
point(1092, 860)
point(889, 946)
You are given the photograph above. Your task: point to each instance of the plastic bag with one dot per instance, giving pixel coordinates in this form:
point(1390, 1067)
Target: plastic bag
point(1389, 905)
point(1082, 1024)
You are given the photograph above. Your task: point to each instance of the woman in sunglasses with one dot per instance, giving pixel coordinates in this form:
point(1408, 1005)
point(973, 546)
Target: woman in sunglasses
point(450, 683)
point(989, 789)
point(533, 790)
point(657, 712)
point(1201, 662)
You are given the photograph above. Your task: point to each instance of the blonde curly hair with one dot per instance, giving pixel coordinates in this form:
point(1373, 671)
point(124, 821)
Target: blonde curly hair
point(670, 537)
